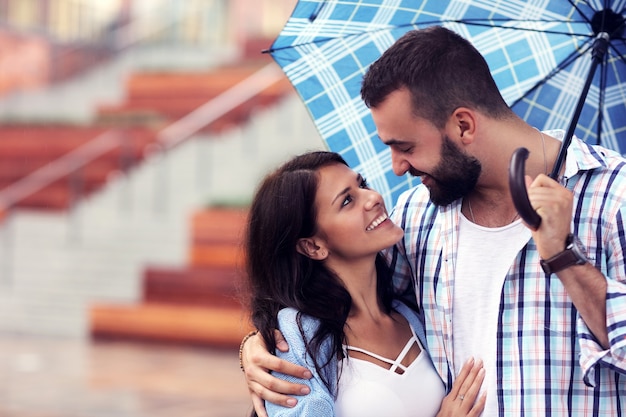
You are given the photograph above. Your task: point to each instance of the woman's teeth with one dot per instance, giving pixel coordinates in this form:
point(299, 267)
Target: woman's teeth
point(376, 222)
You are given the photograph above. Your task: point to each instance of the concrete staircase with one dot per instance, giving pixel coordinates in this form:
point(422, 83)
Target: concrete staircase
point(55, 266)
point(198, 303)
point(25, 149)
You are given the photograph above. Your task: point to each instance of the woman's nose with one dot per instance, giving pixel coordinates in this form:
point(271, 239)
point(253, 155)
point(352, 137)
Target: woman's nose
point(373, 199)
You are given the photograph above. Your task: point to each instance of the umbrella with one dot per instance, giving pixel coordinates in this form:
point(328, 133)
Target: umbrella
point(539, 53)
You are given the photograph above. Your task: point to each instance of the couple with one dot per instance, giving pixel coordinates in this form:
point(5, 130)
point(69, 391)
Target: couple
point(547, 320)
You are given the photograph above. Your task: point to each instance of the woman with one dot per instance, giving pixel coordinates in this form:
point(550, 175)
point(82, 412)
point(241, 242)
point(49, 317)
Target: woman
point(313, 240)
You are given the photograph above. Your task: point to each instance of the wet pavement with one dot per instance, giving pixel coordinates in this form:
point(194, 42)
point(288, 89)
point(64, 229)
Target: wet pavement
point(59, 377)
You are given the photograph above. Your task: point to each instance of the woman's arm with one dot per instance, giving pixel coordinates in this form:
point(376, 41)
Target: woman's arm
point(320, 400)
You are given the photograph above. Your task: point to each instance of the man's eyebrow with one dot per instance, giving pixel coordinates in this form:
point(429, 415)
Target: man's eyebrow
point(392, 141)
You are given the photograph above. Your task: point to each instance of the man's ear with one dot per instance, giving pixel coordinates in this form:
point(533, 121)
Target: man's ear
point(311, 249)
point(463, 122)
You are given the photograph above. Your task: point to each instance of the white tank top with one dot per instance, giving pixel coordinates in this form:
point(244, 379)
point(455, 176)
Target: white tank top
point(369, 390)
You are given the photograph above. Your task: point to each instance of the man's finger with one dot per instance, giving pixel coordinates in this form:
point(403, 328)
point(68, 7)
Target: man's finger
point(271, 396)
point(280, 386)
point(259, 405)
point(281, 344)
point(272, 363)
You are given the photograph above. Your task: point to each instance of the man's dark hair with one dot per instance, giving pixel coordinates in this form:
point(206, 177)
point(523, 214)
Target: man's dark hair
point(442, 70)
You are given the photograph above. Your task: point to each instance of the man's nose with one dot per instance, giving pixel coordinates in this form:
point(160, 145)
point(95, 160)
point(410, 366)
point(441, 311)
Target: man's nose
point(399, 165)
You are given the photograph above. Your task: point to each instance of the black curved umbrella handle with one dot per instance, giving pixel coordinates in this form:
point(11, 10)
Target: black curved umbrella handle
point(518, 188)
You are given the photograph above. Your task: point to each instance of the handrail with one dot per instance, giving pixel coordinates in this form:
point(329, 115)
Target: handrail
point(212, 110)
point(59, 168)
point(167, 138)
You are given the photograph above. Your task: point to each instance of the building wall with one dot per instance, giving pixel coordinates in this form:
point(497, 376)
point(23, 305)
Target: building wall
point(48, 40)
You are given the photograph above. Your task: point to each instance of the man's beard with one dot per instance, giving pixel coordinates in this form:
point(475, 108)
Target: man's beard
point(455, 176)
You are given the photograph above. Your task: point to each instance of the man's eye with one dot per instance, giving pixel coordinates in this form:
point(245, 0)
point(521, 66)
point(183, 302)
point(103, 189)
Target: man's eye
point(403, 149)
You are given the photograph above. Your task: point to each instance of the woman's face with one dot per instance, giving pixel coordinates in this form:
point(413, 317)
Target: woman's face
point(352, 220)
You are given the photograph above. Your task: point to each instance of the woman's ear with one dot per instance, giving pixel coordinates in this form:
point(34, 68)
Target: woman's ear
point(311, 249)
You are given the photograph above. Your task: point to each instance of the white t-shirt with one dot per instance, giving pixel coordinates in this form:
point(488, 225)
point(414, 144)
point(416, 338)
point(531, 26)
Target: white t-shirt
point(484, 258)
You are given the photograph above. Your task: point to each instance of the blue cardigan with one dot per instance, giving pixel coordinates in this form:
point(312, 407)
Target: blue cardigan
point(321, 400)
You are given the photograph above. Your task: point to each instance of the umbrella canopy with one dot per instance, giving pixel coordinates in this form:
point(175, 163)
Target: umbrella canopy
point(539, 53)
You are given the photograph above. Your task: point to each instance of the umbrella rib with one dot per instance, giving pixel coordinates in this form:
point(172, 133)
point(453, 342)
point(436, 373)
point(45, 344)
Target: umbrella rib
point(493, 23)
point(618, 54)
point(575, 6)
point(562, 65)
point(601, 101)
point(316, 12)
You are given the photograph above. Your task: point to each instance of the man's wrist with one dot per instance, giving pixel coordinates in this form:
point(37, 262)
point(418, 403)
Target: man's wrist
point(573, 254)
point(243, 342)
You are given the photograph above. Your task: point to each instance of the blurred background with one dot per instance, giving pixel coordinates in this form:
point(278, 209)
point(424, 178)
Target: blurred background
point(132, 136)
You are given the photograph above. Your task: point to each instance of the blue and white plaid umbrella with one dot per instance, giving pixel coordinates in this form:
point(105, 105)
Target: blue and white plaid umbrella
point(538, 52)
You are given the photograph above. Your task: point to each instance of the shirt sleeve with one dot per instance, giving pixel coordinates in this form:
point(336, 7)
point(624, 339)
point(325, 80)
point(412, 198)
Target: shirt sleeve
point(593, 355)
point(320, 401)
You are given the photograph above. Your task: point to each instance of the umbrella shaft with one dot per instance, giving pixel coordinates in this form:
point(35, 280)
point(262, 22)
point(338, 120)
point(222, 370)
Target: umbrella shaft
point(600, 46)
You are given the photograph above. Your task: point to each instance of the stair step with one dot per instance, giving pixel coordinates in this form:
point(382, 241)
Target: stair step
point(217, 237)
point(24, 149)
point(160, 322)
point(157, 97)
point(216, 286)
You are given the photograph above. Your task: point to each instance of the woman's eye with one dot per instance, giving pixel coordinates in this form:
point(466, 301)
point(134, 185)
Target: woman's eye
point(363, 183)
point(346, 201)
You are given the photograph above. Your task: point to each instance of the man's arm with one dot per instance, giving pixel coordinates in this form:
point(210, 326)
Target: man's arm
point(585, 284)
point(257, 363)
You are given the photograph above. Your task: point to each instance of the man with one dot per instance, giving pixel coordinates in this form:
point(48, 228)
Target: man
point(545, 309)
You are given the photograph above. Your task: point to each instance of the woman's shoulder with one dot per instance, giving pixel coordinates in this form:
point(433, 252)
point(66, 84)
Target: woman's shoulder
point(403, 308)
point(413, 317)
point(290, 317)
point(292, 323)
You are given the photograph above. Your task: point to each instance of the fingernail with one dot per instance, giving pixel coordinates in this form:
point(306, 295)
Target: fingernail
point(305, 390)
point(291, 402)
point(307, 375)
point(470, 360)
point(282, 345)
point(481, 372)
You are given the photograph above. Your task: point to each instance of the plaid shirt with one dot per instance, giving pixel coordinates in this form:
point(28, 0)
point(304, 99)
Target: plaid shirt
point(548, 362)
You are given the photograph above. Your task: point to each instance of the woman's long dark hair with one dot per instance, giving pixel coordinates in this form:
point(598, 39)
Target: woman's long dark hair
point(282, 212)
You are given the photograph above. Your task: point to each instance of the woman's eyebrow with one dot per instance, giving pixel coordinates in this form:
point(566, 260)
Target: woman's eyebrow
point(339, 194)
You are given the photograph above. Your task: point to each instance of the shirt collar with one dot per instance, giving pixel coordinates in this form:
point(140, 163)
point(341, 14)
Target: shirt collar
point(579, 155)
